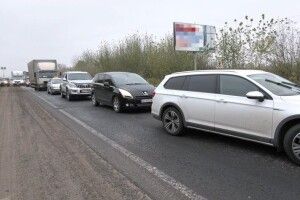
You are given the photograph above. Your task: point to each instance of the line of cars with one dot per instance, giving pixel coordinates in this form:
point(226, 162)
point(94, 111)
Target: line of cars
point(14, 82)
point(247, 104)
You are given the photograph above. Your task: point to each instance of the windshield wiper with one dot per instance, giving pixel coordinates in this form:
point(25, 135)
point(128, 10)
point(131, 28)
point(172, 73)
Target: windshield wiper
point(292, 84)
point(279, 83)
point(135, 83)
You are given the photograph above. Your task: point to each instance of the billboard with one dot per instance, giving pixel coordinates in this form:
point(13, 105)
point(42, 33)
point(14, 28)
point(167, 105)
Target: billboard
point(193, 37)
point(188, 37)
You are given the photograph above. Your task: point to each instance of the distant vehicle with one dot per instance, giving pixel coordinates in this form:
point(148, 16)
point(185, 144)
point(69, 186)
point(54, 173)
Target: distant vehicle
point(53, 86)
point(4, 82)
point(121, 90)
point(40, 72)
point(27, 83)
point(75, 84)
point(17, 78)
point(247, 104)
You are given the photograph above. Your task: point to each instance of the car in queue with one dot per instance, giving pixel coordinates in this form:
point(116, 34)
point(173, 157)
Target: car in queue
point(247, 104)
point(4, 82)
point(121, 90)
point(53, 86)
point(76, 84)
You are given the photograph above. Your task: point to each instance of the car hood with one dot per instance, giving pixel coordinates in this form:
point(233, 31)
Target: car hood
point(55, 85)
point(81, 81)
point(139, 90)
point(292, 99)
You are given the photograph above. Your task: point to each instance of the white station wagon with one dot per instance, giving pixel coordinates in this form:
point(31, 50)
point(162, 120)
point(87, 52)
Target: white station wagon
point(248, 104)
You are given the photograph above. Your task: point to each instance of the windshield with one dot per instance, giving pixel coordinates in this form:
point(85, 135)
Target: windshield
point(79, 76)
point(128, 79)
point(56, 81)
point(46, 74)
point(276, 84)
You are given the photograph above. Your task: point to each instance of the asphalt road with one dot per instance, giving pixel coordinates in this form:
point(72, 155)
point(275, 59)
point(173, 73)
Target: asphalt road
point(212, 166)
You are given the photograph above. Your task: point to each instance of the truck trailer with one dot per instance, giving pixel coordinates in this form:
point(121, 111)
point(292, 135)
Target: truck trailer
point(40, 72)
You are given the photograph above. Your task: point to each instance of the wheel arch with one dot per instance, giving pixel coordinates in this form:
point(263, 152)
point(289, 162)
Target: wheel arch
point(168, 105)
point(282, 128)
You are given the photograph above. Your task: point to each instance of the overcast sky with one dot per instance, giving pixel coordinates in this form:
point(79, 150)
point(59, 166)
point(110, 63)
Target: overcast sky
point(63, 29)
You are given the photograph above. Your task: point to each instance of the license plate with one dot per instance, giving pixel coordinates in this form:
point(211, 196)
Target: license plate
point(85, 91)
point(146, 100)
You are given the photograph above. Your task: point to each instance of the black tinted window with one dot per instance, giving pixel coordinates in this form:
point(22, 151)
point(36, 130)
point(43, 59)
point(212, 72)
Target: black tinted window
point(203, 83)
point(175, 83)
point(235, 86)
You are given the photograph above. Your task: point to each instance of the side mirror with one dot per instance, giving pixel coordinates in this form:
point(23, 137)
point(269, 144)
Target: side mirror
point(255, 95)
point(64, 79)
point(106, 84)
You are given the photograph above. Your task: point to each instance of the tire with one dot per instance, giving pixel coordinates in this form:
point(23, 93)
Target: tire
point(69, 96)
point(62, 94)
point(117, 105)
point(173, 121)
point(94, 101)
point(291, 144)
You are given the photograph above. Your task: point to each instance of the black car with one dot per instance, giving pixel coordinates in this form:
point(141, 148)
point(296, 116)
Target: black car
point(121, 90)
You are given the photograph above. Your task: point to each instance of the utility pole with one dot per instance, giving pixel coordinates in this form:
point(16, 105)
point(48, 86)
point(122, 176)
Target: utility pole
point(3, 68)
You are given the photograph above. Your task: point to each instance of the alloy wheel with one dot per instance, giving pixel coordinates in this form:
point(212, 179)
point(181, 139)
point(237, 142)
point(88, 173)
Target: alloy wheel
point(116, 104)
point(171, 121)
point(296, 146)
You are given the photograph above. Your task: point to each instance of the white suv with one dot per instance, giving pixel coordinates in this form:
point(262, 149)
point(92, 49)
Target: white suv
point(248, 104)
point(76, 83)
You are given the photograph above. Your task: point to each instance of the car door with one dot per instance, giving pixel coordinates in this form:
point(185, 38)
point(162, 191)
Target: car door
point(108, 90)
point(64, 82)
point(237, 114)
point(98, 87)
point(198, 100)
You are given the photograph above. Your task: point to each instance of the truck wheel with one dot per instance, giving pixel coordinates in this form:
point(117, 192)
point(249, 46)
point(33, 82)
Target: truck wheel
point(291, 143)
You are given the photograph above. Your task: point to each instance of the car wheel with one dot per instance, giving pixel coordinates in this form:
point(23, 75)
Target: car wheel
point(117, 105)
point(173, 121)
point(94, 101)
point(62, 94)
point(291, 143)
point(69, 96)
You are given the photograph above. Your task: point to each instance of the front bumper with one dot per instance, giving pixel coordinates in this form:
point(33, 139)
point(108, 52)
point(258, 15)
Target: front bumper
point(136, 103)
point(80, 91)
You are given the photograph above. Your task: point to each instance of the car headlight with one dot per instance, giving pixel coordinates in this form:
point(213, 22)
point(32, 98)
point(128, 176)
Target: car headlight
point(72, 85)
point(126, 94)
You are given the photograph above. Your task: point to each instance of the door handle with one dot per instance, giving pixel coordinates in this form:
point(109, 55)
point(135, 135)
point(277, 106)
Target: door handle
point(183, 96)
point(222, 101)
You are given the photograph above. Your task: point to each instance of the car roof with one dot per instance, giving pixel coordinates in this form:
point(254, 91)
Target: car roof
point(75, 72)
point(244, 72)
point(112, 73)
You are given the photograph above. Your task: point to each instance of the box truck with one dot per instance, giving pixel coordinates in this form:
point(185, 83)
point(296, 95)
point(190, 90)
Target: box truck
point(40, 72)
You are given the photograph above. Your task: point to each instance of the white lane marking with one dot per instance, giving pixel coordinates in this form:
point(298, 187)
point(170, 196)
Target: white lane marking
point(139, 161)
point(153, 170)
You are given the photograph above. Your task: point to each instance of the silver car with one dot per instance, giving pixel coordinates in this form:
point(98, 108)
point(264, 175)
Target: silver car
point(53, 86)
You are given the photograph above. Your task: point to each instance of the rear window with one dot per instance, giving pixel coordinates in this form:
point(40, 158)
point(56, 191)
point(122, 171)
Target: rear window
point(203, 83)
point(175, 83)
